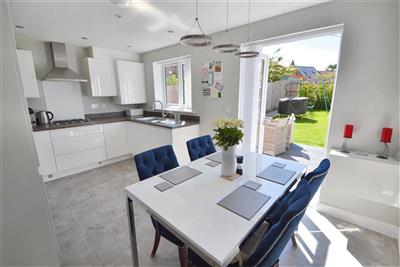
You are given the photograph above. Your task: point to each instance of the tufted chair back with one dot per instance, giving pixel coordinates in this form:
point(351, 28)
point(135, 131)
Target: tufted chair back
point(155, 161)
point(200, 147)
point(317, 176)
point(278, 235)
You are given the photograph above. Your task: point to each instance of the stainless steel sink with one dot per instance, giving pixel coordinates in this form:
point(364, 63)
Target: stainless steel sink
point(147, 118)
point(161, 121)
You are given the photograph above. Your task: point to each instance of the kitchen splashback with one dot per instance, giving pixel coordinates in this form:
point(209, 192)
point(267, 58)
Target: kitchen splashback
point(64, 99)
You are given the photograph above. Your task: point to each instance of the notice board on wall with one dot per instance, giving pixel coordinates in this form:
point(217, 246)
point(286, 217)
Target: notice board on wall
point(212, 79)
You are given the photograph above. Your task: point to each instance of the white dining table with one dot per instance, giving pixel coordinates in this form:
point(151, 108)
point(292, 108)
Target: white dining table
point(190, 211)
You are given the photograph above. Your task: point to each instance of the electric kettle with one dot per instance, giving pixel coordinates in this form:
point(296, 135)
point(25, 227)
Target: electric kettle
point(45, 117)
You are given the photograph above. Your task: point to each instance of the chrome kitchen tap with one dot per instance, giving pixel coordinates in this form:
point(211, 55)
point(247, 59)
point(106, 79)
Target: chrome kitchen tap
point(163, 114)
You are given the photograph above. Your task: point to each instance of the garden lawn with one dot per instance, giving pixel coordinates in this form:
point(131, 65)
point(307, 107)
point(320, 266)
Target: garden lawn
point(312, 128)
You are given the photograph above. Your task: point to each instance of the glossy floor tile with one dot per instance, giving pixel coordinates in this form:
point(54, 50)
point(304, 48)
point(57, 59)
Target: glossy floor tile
point(89, 217)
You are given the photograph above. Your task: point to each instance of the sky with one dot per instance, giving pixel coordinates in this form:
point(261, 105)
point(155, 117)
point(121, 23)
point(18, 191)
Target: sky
point(318, 52)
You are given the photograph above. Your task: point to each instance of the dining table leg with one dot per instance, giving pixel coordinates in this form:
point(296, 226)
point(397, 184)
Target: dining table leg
point(132, 232)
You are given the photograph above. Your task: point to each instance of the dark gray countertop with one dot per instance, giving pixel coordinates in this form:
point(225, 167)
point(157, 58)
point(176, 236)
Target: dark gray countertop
point(110, 120)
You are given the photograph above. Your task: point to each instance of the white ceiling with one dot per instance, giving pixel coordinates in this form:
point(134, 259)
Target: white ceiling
point(144, 25)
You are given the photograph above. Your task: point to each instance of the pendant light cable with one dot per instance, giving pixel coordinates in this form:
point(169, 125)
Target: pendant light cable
point(248, 23)
point(227, 47)
point(250, 53)
point(196, 40)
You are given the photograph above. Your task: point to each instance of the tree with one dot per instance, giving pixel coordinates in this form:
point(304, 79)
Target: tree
point(276, 70)
point(172, 79)
point(331, 67)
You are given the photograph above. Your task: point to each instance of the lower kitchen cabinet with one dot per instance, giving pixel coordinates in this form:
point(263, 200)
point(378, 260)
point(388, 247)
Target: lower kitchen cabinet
point(63, 152)
point(115, 139)
point(160, 136)
point(80, 158)
point(142, 137)
point(138, 136)
point(44, 150)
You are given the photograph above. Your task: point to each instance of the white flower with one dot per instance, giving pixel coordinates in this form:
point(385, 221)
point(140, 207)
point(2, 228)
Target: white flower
point(228, 123)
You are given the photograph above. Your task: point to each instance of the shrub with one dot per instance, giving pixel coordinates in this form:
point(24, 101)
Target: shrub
point(315, 94)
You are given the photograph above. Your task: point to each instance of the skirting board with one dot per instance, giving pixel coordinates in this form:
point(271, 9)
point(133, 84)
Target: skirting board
point(62, 174)
point(369, 223)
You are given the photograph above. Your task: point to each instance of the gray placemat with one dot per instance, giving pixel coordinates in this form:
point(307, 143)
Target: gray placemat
point(213, 163)
point(252, 185)
point(276, 174)
point(279, 165)
point(180, 175)
point(217, 157)
point(163, 186)
point(244, 201)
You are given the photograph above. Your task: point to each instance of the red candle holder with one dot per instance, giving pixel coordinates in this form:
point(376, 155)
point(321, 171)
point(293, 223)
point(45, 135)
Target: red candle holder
point(347, 134)
point(386, 137)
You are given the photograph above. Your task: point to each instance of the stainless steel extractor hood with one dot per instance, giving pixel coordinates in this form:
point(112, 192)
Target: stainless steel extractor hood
point(61, 72)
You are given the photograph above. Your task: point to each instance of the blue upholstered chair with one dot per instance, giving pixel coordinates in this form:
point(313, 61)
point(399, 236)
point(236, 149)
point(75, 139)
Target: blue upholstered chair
point(317, 176)
point(148, 164)
point(314, 179)
point(285, 221)
point(200, 147)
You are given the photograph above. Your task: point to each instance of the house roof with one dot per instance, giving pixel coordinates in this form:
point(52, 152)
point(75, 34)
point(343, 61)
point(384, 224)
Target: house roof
point(307, 72)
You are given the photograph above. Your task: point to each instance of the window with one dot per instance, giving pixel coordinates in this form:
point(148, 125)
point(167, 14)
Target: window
point(172, 83)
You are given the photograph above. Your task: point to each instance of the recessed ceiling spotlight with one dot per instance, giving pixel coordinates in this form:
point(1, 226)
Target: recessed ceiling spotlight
point(170, 31)
point(84, 38)
point(118, 16)
point(19, 26)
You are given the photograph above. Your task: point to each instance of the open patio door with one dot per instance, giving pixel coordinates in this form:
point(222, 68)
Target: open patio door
point(252, 100)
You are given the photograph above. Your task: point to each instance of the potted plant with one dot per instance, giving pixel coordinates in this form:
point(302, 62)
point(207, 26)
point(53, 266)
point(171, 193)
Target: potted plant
point(228, 134)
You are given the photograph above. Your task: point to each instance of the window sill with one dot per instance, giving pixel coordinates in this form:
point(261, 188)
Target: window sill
point(177, 110)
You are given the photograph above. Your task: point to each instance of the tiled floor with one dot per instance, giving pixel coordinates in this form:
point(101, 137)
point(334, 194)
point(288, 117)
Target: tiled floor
point(89, 215)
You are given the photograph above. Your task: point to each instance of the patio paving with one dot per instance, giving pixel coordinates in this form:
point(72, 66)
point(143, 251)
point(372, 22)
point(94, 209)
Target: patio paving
point(308, 155)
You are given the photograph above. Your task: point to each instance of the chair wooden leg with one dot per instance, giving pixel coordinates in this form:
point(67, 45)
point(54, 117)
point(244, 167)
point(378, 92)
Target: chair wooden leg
point(156, 243)
point(294, 241)
point(183, 258)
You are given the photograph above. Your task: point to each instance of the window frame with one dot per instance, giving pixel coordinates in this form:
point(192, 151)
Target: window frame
point(184, 87)
point(181, 84)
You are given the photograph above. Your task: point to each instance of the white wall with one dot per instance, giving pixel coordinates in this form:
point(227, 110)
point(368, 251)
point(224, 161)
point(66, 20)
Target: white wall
point(43, 64)
point(27, 237)
point(367, 89)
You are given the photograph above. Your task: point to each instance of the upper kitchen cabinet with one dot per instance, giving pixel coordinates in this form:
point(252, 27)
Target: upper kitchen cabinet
point(28, 75)
point(101, 77)
point(130, 83)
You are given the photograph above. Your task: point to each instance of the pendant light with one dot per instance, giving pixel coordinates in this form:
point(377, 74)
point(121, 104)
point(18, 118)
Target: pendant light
point(248, 51)
point(196, 40)
point(226, 47)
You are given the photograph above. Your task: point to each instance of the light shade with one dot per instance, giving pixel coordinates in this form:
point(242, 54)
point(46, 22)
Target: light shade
point(247, 54)
point(386, 135)
point(348, 131)
point(226, 48)
point(196, 40)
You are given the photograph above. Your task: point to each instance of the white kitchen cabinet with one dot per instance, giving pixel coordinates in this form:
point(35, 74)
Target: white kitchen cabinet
point(130, 83)
point(179, 138)
point(28, 75)
point(115, 139)
point(44, 150)
point(78, 146)
point(138, 136)
point(142, 137)
point(160, 136)
point(101, 77)
point(80, 158)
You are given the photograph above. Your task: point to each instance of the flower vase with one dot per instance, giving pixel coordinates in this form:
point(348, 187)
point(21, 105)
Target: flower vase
point(228, 164)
